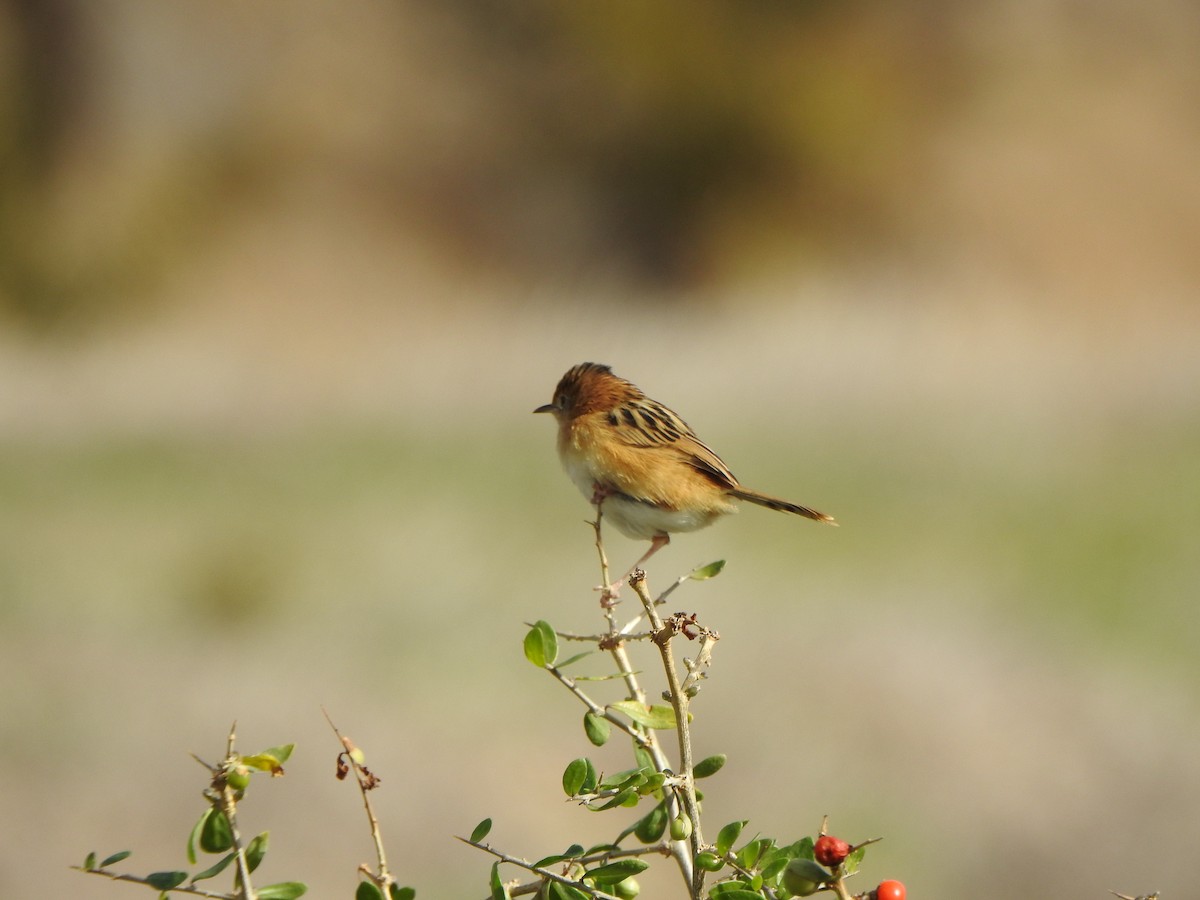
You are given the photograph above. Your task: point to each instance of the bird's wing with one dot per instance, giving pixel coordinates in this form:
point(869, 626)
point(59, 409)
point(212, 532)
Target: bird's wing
point(647, 423)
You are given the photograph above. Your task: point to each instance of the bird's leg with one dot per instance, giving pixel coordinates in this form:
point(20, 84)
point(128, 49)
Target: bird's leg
point(599, 493)
point(609, 594)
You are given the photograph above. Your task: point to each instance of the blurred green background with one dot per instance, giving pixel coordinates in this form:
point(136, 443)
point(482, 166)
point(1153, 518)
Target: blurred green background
point(281, 283)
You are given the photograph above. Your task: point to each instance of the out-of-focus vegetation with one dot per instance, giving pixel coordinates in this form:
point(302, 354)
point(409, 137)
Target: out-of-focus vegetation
point(280, 284)
point(673, 144)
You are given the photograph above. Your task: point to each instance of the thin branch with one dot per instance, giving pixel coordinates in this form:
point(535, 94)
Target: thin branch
point(190, 889)
point(543, 873)
point(679, 703)
point(615, 644)
point(366, 782)
point(569, 683)
point(229, 810)
point(626, 633)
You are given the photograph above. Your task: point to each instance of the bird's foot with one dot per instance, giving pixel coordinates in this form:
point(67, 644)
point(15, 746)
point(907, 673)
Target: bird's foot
point(610, 594)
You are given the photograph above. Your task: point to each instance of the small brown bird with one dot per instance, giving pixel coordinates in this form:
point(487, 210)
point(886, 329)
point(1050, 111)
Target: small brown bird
point(654, 476)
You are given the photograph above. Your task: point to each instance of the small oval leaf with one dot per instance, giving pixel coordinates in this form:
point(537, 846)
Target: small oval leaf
point(712, 570)
point(651, 826)
point(216, 869)
point(164, 881)
point(284, 890)
point(368, 890)
point(541, 644)
point(215, 834)
point(728, 835)
point(643, 757)
point(481, 831)
point(499, 891)
point(710, 765)
point(256, 850)
point(575, 776)
point(627, 797)
point(597, 728)
point(115, 858)
point(657, 717)
point(575, 850)
point(619, 870)
point(402, 893)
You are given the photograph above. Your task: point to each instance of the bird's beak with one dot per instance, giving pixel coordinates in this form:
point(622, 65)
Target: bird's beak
point(549, 407)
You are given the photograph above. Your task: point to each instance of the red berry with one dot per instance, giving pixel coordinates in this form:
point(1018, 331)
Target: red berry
point(830, 851)
point(890, 890)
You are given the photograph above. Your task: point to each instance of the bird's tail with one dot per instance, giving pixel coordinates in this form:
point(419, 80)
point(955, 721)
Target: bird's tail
point(782, 505)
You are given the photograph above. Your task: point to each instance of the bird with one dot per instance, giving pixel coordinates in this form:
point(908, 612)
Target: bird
point(641, 464)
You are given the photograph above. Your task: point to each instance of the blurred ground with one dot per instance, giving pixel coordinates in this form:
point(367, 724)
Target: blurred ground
point(279, 296)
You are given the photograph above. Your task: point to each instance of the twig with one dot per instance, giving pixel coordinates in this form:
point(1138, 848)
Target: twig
point(569, 683)
point(190, 889)
point(614, 642)
point(626, 633)
point(543, 873)
point(366, 782)
point(229, 810)
point(679, 703)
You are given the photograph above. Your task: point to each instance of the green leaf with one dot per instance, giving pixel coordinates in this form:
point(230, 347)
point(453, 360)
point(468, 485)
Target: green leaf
point(710, 765)
point(575, 776)
point(629, 778)
point(194, 836)
point(499, 891)
point(560, 891)
point(89, 861)
point(652, 825)
point(115, 858)
point(616, 871)
point(368, 890)
point(481, 831)
point(712, 570)
point(773, 865)
point(573, 852)
point(256, 850)
point(654, 781)
point(215, 834)
point(728, 835)
point(597, 728)
point(737, 893)
point(709, 861)
point(851, 863)
point(573, 659)
point(643, 757)
point(657, 717)
point(541, 644)
point(216, 869)
point(284, 890)
point(627, 797)
point(164, 881)
point(402, 893)
point(803, 849)
point(751, 855)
